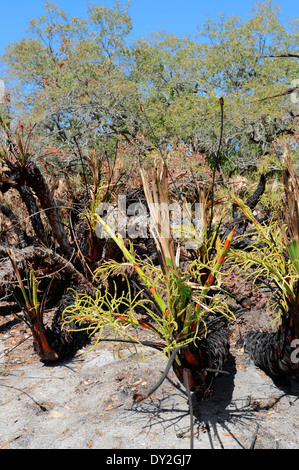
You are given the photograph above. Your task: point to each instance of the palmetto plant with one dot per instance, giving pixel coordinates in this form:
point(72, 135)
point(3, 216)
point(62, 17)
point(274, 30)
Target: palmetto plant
point(182, 309)
point(273, 260)
point(33, 311)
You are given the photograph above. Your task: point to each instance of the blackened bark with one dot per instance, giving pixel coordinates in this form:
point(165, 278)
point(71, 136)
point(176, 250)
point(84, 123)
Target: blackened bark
point(38, 184)
point(30, 202)
point(203, 360)
point(253, 200)
point(13, 180)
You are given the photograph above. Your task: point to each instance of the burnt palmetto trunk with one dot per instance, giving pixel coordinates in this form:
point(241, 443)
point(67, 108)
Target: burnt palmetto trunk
point(274, 352)
point(203, 362)
point(40, 187)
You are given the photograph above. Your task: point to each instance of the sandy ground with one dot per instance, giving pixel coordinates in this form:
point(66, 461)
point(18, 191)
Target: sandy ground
point(87, 402)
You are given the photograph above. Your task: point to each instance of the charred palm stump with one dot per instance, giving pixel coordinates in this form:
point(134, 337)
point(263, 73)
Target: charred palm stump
point(275, 352)
point(53, 341)
point(193, 364)
point(203, 362)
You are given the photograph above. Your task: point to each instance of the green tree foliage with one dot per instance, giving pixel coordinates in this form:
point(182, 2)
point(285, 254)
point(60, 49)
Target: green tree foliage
point(82, 78)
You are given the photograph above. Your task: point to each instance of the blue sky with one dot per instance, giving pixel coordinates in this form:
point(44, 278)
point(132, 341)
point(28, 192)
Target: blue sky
point(174, 16)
